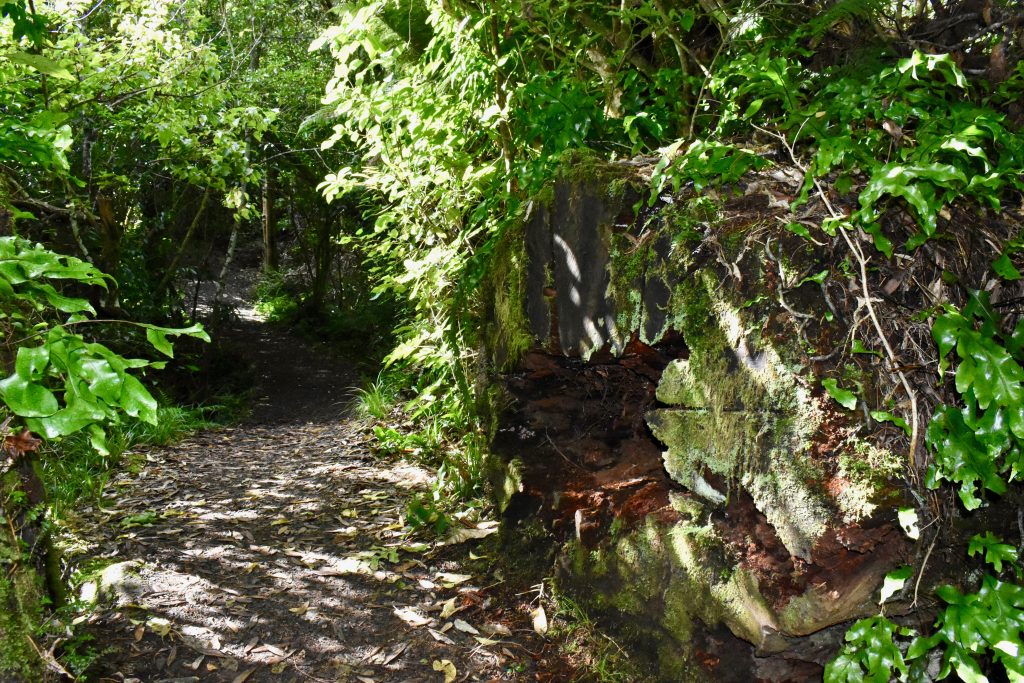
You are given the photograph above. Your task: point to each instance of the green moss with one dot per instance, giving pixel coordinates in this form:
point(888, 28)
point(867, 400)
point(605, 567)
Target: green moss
point(737, 410)
point(628, 263)
point(507, 333)
point(505, 479)
point(585, 165)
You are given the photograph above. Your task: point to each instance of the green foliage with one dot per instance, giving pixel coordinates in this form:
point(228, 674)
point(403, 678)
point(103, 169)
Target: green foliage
point(973, 629)
point(274, 300)
point(64, 384)
point(844, 397)
point(704, 163)
point(980, 444)
point(988, 623)
point(456, 119)
point(994, 551)
point(870, 654)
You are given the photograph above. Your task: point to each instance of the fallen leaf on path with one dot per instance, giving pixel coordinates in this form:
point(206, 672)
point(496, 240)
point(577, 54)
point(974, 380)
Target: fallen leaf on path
point(462, 535)
point(243, 677)
point(540, 621)
point(300, 610)
point(485, 641)
point(496, 629)
point(159, 626)
point(440, 637)
point(139, 632)
point(450, 580)
point(395, 653)
point(465, 627)
point(447, 668)
point(448, 609)
point(411, 617)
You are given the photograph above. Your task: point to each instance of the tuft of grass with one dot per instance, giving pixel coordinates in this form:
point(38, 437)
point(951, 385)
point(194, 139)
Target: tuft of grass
point(378, 399)
point(597, 656)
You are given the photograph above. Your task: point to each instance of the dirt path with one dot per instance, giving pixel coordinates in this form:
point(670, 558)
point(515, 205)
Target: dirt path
point(275, 551)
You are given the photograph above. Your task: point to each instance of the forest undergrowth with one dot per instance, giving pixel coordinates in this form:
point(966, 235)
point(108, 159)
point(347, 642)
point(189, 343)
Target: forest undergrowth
point(149, 147)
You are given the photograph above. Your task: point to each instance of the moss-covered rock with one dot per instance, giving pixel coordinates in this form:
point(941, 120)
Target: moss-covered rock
point(765, 482)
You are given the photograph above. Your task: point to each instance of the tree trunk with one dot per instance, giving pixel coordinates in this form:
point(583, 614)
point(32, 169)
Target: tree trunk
point(322, 264)
point(270, 255)
point(173, 266)
point(228, 258)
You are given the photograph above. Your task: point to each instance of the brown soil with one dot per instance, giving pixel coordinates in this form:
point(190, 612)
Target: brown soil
point(276, 551)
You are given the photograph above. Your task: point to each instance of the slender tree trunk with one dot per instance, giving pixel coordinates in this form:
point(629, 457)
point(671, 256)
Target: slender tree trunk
point(173, 266)
point(228, 258)
point(323, 254)
point(270, 255)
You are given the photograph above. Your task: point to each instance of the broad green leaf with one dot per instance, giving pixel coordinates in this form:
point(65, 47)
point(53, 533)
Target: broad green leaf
point(26, 398)
point(31, 362)
point(885, 416)
point(817, 278)
point(1005, 269)
point(158, 339)
point(989, 370)
point(858, 347)
point(137, 401)
point(946, 332)
point(845, 398)
point(42, 64)
point(799, 229)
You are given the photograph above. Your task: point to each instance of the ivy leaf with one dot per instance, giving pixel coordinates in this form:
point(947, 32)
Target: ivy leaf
point(885, 416)
point(995, 551)
point(894, 582)
point(845, 398)
point(1005, 269)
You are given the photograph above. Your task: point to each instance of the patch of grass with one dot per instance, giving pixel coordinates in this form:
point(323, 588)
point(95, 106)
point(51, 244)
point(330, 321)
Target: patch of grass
point(378, 399)
point(596, 655)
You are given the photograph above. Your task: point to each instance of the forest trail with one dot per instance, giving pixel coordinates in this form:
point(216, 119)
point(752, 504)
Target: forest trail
point(275, 551)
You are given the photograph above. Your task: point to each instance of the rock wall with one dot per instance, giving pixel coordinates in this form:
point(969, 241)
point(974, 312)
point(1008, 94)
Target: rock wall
point(668, 430)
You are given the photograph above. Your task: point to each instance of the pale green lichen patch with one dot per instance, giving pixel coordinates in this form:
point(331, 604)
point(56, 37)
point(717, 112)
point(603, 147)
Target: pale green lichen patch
point(739, 411)
point(798, 514)
point(867, 471)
